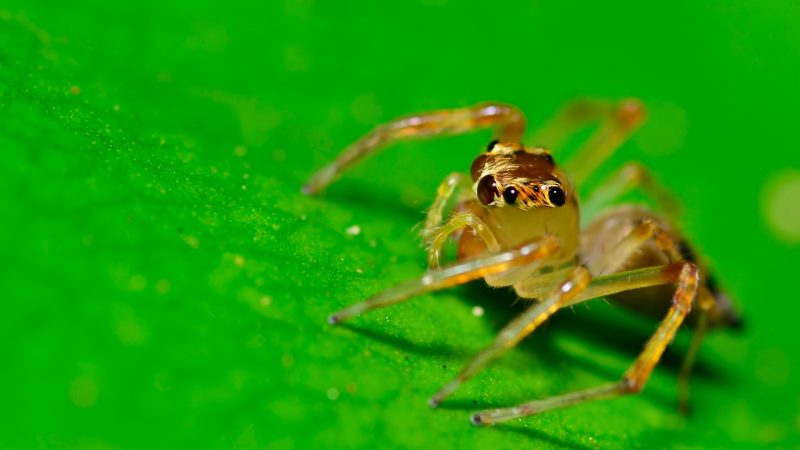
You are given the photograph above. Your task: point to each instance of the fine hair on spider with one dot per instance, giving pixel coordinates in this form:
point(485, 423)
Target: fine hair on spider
point(519, 225)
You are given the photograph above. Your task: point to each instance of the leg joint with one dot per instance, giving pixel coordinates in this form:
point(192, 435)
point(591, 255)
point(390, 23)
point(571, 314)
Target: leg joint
point(630, 386)
point(688, 281)
point(631, 112)
point(636, 172)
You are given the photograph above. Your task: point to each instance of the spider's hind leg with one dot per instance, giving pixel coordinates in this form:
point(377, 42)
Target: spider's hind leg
point(689, 359)
point(610, 280)
point(630, 177)
point(616, 122)
point(636, 376)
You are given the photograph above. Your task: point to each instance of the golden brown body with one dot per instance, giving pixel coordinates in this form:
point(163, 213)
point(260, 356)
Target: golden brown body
point(517, 222)
point(620, 221)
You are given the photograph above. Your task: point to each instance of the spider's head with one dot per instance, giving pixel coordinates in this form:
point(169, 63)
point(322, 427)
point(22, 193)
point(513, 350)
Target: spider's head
point(512, 175)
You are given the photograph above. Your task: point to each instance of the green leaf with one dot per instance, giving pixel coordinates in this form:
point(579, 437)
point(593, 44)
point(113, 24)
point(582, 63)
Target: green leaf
point(167, 284)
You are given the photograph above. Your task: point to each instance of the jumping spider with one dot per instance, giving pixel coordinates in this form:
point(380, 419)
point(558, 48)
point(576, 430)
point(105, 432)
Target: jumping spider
point(517, 224)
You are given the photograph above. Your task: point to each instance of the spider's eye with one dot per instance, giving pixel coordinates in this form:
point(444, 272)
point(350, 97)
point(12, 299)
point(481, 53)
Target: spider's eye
point(510, 195)
point(556, 195)
point(487, 188)
point(490, 146)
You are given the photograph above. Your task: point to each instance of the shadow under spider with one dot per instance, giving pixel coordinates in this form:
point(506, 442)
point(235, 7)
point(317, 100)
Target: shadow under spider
point(429, 349)
point(384, 202)
point(542, 436)
point(502, 305)
point(628, 337)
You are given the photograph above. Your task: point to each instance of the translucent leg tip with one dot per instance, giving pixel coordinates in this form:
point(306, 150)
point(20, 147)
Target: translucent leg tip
point(434, 402)
point(334, 319)
point(477, 420)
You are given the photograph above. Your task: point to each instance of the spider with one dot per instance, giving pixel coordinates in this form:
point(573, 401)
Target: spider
point(516, 221)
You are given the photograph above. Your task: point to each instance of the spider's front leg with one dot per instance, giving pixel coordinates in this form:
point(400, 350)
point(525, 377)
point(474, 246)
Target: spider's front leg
point(531, 255)
point(507, 121)
point(573, 283)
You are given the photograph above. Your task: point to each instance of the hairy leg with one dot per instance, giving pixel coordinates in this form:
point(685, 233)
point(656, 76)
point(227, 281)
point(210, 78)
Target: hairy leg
point(616, 120)
point(531, 254)
point(610, 281)
point(575, 280)
point(435, 234)
point(634, 378)
point(631, 176)
point(608, 263)
point(454, 184)
point(558, 289)
point(507, 122)
point(457, 221)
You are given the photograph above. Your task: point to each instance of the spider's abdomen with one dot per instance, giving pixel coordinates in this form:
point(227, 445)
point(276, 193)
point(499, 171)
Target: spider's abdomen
point(605, 232)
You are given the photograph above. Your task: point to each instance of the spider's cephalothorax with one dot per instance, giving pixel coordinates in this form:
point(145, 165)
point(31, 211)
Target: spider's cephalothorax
point(512, 175)
point(524, 194)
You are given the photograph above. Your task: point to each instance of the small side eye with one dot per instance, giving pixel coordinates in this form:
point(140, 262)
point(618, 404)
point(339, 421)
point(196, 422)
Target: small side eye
point(491, 145)
point(487, 189)
point(510, 195)
point(556, 196)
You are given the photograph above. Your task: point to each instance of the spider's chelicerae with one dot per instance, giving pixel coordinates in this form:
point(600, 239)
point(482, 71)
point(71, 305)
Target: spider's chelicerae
point(517, 224)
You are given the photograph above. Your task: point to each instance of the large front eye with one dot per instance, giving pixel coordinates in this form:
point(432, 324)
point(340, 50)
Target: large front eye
point(510, 195)
point(487, 189)
point(556, 196)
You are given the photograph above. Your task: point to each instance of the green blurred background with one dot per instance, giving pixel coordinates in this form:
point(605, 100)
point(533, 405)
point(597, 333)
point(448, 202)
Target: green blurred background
point(166, 285)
